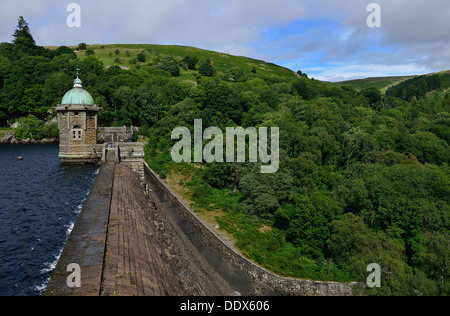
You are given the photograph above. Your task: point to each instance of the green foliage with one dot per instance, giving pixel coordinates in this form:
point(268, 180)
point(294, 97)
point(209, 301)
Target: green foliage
point(22, 35)
point(373, 94)
point(160, 163)
point(141, 58)
point(306, 222)
point(82, 46)
point(265, 192)
point(191, 62)
point(64, 50)
point(170, 65)
point(417, 87)
point(31, 127)
point(206, 69)
point(219, 175)
point(353, 244)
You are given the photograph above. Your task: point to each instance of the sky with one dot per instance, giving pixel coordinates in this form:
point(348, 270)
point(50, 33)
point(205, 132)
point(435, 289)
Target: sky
point(327, 39)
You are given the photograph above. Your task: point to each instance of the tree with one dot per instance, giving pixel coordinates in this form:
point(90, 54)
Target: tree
point(64, 50)
point(353, 244)
point(171, 65)
point(219, 175)
point(435, 261)
point(373, 95)
point(206, 69)
point(22, 35)
point(141, 58)
point(304, 170)
point(29, 127)
point(304, 88)
point(82, 46)
point(306, 221)
point(90, 52)
point(265, 193)
point(191, 62)
point(221, 98)
point(359, 146)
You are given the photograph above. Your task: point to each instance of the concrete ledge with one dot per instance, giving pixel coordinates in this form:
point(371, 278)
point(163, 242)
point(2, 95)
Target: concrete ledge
point(86, 244)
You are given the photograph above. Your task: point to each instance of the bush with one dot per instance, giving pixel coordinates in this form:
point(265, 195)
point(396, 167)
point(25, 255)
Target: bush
point(191, 62)
point(82, 46)
point(206, 70)
point(51, 130)
point(141, 58)
point(33, 128)
point(171, 65)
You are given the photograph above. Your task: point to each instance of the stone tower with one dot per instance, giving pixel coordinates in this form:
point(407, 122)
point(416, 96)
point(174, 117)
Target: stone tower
point(78, 124)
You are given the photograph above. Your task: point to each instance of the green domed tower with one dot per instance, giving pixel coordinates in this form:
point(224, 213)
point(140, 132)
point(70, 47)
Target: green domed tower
point(78, 124)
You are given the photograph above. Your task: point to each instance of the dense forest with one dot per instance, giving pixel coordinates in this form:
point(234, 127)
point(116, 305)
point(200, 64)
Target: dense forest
point(363, 178)
point(416, 87)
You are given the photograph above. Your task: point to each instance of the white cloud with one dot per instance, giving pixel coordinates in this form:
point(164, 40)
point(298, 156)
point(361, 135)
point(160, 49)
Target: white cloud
point(414, 38)
point(413, 33)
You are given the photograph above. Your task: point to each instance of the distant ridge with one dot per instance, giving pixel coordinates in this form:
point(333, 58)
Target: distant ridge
point(384, 83)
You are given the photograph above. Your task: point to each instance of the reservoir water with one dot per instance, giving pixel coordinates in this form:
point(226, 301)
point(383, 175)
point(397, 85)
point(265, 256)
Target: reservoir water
point(40, 200)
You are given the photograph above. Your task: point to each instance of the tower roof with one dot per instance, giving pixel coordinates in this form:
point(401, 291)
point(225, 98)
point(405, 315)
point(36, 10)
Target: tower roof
point(77, 95)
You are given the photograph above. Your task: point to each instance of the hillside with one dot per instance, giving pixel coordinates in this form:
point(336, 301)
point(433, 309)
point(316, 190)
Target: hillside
point(222, 62)
point(383, 83)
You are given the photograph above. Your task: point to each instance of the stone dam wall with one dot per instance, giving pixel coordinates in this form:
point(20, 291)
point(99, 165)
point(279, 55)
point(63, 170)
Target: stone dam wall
point(268, 282)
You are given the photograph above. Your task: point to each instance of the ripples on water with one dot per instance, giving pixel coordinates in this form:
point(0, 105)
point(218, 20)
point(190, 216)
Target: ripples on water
point(40, 200)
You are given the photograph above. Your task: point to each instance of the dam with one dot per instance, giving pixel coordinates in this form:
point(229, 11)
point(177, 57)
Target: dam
point(136, 237)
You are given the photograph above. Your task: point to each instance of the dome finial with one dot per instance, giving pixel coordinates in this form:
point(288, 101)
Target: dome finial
point(77, 82)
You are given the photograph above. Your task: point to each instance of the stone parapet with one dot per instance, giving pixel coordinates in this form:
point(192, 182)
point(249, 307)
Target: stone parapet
point(283, 286)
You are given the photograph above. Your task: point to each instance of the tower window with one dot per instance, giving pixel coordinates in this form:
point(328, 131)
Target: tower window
point(77, 133)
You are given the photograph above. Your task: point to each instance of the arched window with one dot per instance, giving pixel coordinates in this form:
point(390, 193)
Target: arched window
point(77, 132)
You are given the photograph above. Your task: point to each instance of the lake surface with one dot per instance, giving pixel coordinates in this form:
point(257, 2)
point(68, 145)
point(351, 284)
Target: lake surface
point(40, 200)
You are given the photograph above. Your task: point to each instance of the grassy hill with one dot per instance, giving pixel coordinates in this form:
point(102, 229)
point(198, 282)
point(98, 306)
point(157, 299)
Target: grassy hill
point(384, 83)
point(222, 62)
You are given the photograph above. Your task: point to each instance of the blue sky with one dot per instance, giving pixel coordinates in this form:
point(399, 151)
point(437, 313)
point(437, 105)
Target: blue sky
point(329, 40)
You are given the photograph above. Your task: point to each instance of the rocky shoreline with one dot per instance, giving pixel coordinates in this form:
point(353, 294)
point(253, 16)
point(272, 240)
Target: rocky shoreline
point(10, 139)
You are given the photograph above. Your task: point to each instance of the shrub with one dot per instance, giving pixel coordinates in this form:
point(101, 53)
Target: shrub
point(171, 65)
point(141, 58)
point(206, 70)
point(32, 127)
